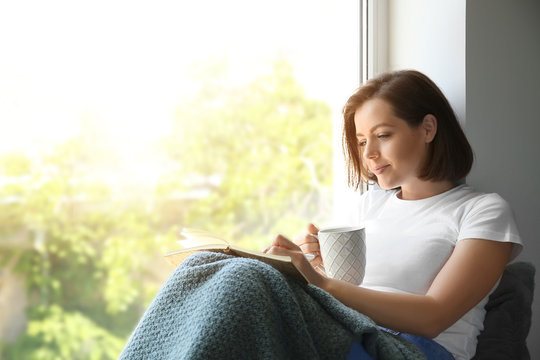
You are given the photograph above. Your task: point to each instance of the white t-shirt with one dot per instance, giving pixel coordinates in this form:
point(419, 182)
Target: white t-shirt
point(409, 241)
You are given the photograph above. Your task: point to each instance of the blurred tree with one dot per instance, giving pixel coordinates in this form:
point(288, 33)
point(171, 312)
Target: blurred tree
point(55, 334)
point(253, 160)
point(86, 258)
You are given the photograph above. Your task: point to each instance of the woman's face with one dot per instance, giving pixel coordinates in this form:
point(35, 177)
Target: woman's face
point(392, 150)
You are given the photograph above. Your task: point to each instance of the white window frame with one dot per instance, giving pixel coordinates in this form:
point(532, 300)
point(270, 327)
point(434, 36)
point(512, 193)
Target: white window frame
point(373, 61)
point(374, 38)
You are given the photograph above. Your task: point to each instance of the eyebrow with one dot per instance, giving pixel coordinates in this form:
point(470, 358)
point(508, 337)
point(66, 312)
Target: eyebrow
point(375, 127)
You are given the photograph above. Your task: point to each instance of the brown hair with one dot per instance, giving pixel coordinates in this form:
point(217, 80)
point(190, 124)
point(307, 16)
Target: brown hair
point(412, 96)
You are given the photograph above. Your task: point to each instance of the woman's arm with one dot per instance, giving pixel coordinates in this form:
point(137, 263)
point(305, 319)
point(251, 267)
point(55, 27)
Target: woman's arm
point(467, 277)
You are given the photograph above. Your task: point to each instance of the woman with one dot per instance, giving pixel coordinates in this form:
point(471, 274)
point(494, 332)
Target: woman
point(435, 248)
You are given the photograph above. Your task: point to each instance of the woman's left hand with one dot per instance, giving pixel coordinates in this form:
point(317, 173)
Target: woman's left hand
point(283, 246)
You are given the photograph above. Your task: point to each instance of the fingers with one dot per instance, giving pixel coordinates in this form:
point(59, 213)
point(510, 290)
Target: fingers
point(308, 242)
point(281, 241)
point(306, 239)
point(312, 229)
point(282, 246)
point(311, 245)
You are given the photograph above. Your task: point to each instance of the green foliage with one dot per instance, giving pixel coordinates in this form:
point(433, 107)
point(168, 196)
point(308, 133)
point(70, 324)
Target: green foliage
point(246, 161)
point(78, 249)
point(260, 154)
point(15, 164)
point(57, 335)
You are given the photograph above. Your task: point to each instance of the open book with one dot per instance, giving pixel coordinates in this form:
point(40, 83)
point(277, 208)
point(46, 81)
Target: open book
point(194, 240)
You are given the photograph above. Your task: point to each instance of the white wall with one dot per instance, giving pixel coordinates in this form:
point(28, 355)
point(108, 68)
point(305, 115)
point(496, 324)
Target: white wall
point(503, 117)
point(485, 56)
point(429, 36)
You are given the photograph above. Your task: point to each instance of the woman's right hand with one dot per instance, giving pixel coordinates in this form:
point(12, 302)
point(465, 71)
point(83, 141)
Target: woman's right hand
point(309, 244)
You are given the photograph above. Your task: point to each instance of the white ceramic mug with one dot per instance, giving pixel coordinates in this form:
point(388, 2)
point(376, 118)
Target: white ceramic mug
point(343, 251)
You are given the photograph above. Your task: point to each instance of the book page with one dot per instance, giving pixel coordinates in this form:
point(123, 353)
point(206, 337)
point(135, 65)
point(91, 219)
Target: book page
point(193, 237)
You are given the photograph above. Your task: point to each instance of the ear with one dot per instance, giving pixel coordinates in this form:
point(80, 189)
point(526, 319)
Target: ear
point(429, 127)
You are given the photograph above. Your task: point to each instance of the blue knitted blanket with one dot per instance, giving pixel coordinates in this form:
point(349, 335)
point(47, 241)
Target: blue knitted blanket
point(216, 306)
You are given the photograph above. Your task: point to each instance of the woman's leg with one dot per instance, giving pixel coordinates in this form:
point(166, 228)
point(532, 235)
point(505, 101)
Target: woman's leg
point(358, 352)
point(429, 347)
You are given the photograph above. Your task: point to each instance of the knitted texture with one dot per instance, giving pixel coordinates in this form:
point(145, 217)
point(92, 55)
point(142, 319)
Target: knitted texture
point(216, 306)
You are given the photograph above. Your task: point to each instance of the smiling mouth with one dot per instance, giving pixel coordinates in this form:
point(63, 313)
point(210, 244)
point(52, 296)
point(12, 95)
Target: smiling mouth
point(380, 169)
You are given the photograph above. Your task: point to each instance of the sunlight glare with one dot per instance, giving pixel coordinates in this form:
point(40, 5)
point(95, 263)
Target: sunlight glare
point(127, 63)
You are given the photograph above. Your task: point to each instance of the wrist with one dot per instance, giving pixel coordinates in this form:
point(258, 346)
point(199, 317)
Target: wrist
point(320, 280)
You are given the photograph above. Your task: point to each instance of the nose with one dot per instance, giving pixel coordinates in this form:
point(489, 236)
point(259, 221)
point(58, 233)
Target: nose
point(370, 150)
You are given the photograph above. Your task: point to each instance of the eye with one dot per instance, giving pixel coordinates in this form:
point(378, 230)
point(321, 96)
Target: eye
point(383, 136)
point(361, 143)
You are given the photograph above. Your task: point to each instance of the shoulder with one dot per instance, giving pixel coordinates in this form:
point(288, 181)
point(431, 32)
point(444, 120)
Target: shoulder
point(488, 216)
point(467, 199)
point(474, 202)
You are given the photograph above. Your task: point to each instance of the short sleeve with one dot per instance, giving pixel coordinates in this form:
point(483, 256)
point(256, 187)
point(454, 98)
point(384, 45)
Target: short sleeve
point(491, 218)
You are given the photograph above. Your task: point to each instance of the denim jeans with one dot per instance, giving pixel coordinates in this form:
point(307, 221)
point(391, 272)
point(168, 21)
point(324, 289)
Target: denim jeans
point(430, 348)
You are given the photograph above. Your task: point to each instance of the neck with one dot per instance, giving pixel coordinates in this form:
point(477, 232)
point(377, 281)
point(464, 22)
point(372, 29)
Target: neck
point(425, 189)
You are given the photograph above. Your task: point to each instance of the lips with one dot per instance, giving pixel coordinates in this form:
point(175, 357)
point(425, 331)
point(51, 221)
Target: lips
point(380, 169)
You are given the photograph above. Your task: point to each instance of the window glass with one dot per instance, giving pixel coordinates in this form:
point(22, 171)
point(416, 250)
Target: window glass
point(124, 121)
